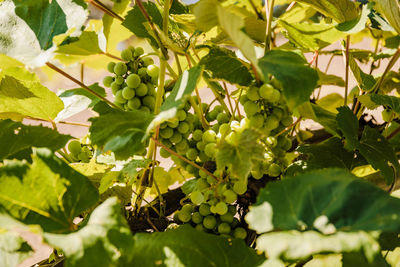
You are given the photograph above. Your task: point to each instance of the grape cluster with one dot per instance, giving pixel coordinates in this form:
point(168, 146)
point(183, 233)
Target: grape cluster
point(133, 82)
point(79, 152)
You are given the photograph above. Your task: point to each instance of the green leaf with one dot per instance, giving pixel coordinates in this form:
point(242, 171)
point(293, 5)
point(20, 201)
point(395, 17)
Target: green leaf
point(365, 81)
point(356, 25)
point(84, 45)
point(312, 37)
point(77, 100)
point(47, 192)
point(239, 158)
point(206, 14)
point(328, 200)
point(358, 259)
point(318, 114)
point(223, 64)
point(391, 10)
point(297, 78)
point(29, 37)
point(16, 137)
point(294, 245)
point(104, 241)
point(183, 88)
point(13, 249)
point(176, 248)
point(390, 82)
point(386, 100)
point(297, 13)
point(119, 131)
point(329, 79)
point(134, 21)
point(348, 125)
point(339, 10)
point(331, 102)
point(379, 153)
point(22, 95)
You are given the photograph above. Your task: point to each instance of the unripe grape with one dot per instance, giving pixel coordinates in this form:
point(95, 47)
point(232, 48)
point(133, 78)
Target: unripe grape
point(224, 228)
point(278, 113)
point(271, 122)
point(107, 81)
point(274, 170)
point(215, 128)
point(167, 143)
point(243, 99)
point(176, 137)
point(82, 156)
point(128, 93)
point(153, 71)
point(219, 108)
point(257, 174)
point(138, 51)
point(149, 101)
point(204, 209)
point(184, 216)
point(173, 123)
point(209, 222)
point(164, 153)
point(240, 187)
point(183, 127)
point(266, 91)
point(233, 138)
point(199, 227)
point(202, 184)
point(287, 121)
point(232, 209)
point(197, 135)
point(209, 136)
point(188, 208)
point(212, 115)
point(192, 154)
point(230, 196)
point(142, 90)
point(148, 61)
point(203, 157)
point(119, 80)
point(276, 95)
point(145, 109)
point(221, 208)
point(181, 115)
point(166, 133)
point(110, 67)
point(271, 141)
point(240, 233)
point(126, 55)
point(196, 197)
point(227, 217)
point(134, 103)
point(142, 72)
point(133, 80)
point(182, 147)
point(151, 89)
point(115, 87)
point(74, 147)
point(250, 108)
point(119, 98)
point(252, 94)
point(210, 150)
point(222, 118)
point(197, 218)
point(200, 145)
point(257, 120)
point(120, 68)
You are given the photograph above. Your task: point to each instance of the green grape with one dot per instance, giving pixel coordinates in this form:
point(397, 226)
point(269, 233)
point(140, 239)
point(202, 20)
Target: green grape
point(184, 216)
point(287, 121)
point(83, 157)
point(227, 217)
point(278, 113)
point(285, 144)
point(240, 233)
point(210, 150)
point(202, 184)
point(202, 174)
point(233, 138)
point(176, 137)
point(134, 103)
point(240, 187)
point(192, 154)
point(133, 80)
point(138, 51)
point(142, 90)
point(224, 129)
point(120, 68)
point(166, 133)
point(215, 128)
point(219, 108)
point(73, 157)
point(199, 227)
point(252, 94)
point(107, 81)
point(128, 93)
point(204, 106)
point(222, 118)
point(119, 80)
point(271, 122)
point(230, 196)
point(148, 61)
point(149, 101)
point(119, 98)
point(183, 127)
point(200, 145)
point(167, 143)
point(197, 218)
point(276, 95)
point(271, 141)
point(126, 54)
point(243, 99)
point(197, 135)
point(182, 147)
point(266, 91)
point(232, 209)
point(145, 109)
point(221, 208)
point(257, 120)
point(164, 153)
point(274, 170)
point(151, 89)
point(203, 157)
point(110, 67)
point(209, 222)
point(181, 115)
point(209, 136)
point(153, 71)
point(74, 147)
point(250, 108)
point(188, 208)
point(115, 87)
point(224, 228)
point(173, 124)
point(142, 72)
point(204, 209)
point(197, 197)
point(212, 115)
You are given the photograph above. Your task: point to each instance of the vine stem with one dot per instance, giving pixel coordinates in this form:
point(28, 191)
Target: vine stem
point(269, 13)
point(229, 98)
point(105, 9)
point(394, 133)
point(289, 127)
point(184, 159)
point(112, 56)
point(81, 84)
point(60, 122)
point(347, 58)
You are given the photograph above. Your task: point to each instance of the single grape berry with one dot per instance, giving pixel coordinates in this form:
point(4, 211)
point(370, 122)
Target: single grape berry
point(209, 222)
point(184, 216)
point(164, 153)
point(222, 118)
point(197, 218)
point(196, 197)
point(120, 68)
point(227, 217)
point(126, 55)
point(204, 209)
point(166, 133)
point(134, 103)
point(133, 80)
point(266, 91)
point(110, 67)
point(181, 115)
point(107, 81)
point(230, 196)
point(128, 93)
point(147, 61)
point(192, 154)
point(221, 208)
point(115, 87)
point(188, 208)
point(176, 137)
point(210, 150)
point(153, 71)
point(183, 127)
point(149, 101)
point(138, 51)
point(240, 188)
point(252, 94)
point(240, 233)
point(250, 108)
point(74, 147)
point(142, 90)
point(209, 136)
point(224, 228)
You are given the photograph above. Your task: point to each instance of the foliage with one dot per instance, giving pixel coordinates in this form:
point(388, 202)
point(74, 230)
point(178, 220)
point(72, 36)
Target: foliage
point(214, 88)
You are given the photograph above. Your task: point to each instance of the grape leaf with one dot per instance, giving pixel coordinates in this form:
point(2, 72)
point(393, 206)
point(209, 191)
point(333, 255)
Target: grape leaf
point(386, 100)
point(47, 192)
point(206, 15)
point(134, 21)
point(13, 249)
point(84, 45)
point(320, 115)
point(223, 64)
point(327, 200)
point(239, 158)
point(348, 124)
point(329, 79)
point(16, 137)
point(29, 37)
point(297, 78)
point(311, 36)
point(22, 95)
point(356, 25)
point(77, 100)
point(104, 241)
point(339, 10)
point(331, 102)
point(176, 248)
point(391, 10)
point(119, 131)
point(379, 153)
point(183, 88)
point(365, 81)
